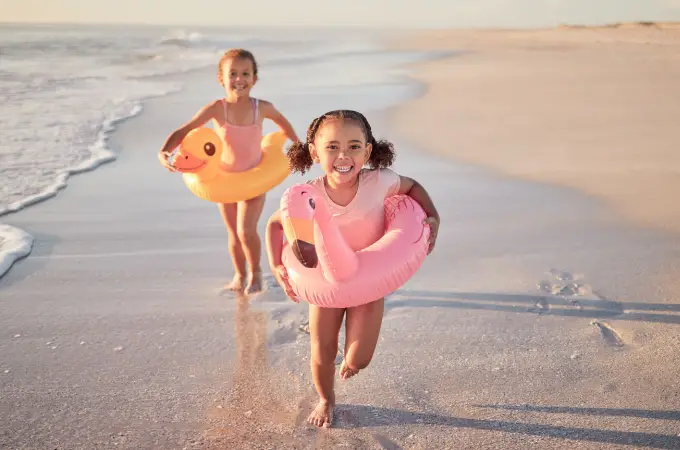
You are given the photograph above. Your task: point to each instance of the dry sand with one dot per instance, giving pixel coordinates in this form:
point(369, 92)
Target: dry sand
point(595, 109)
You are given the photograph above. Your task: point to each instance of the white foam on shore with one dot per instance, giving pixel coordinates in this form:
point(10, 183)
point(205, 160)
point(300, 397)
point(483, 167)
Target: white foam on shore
point(15, 244)
point(100, 154)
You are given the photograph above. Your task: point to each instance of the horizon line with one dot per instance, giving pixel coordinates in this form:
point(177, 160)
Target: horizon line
point(614, 24)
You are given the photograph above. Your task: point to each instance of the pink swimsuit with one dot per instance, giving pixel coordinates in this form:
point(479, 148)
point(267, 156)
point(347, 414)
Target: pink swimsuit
point(243, 142)
point(362, 221)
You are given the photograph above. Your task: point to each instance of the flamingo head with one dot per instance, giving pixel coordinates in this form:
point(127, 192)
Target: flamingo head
point(299, 206)
point(200, 148)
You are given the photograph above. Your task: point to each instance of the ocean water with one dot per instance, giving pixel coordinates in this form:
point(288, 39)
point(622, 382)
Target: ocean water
point(64, 89)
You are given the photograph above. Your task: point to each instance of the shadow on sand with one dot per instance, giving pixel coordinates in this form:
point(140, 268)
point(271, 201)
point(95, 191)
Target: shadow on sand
point(526, 303)
point(363, 416)
point(616, 412)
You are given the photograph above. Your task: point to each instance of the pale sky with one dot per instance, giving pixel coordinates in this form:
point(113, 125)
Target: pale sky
point(382, 13)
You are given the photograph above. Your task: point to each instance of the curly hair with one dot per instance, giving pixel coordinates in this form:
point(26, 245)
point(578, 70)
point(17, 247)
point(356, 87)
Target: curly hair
point(234, 53)
point(300, 158)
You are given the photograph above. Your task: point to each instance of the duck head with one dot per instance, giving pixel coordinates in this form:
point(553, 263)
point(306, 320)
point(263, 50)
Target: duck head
point(299, 206)
point(199, 152)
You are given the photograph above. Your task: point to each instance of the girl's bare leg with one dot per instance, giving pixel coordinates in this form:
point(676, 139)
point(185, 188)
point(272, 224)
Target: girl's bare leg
point(229, 215)
point(249, 212)
point(362, 328)
point(324, 327)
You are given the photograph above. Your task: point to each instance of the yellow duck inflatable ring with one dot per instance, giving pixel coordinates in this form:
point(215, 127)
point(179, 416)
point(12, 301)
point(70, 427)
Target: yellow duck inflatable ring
point(198, 158)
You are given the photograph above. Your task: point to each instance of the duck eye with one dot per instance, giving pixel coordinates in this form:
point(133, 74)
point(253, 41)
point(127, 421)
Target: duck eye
point(209, 148)
point(312, 203)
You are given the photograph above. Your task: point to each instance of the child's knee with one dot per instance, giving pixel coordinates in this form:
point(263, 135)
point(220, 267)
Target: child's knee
point(358, 362)
point(324, 353)
point(234, 240)
point(245, 234)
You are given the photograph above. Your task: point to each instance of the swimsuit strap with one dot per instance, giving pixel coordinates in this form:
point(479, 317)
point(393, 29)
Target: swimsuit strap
point(256, 103)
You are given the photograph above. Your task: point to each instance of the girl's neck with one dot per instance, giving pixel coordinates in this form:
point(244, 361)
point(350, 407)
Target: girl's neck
point(234, 99)
point(341, 194)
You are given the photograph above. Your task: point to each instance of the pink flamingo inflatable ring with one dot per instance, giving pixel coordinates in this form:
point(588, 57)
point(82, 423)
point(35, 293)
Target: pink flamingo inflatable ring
point(324, 271)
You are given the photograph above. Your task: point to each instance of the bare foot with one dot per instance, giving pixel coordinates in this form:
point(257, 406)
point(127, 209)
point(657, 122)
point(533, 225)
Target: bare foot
point(346, 372)
point(236, 284)
point(322, 416)
point(254, 283)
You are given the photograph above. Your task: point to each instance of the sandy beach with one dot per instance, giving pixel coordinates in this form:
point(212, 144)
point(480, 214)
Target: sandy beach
point(543, 319)
point(591, 108)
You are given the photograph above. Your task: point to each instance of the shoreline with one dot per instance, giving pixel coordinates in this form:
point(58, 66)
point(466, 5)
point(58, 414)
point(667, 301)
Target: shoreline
point(586, 108)
point(102, 154)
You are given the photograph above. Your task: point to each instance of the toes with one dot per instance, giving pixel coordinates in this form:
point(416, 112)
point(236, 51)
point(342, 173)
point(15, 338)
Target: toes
point(314, 420)
point(235, 285)
point(346, 371)
point(318, 421)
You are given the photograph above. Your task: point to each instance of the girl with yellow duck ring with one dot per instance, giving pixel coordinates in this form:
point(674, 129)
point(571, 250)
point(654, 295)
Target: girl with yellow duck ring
point(237, 119)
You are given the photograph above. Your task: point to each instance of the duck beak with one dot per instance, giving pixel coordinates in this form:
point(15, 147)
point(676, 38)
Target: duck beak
point(186, 162)
point(300, 234)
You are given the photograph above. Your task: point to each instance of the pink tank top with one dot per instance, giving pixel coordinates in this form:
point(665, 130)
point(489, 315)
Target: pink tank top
point(243, 142)
point(362, 221)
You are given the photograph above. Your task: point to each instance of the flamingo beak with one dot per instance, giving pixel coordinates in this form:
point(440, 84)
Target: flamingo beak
point(300, 235)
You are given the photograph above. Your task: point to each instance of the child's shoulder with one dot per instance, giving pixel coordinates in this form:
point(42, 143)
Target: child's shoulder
point(266, 107)
point(211, 109)
point(261, 102)
point(384, 180)
point(214, 105)
point(370, 174)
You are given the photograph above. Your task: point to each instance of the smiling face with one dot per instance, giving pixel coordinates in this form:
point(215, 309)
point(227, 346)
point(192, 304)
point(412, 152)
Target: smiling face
point(340, 148)
point(238, 76)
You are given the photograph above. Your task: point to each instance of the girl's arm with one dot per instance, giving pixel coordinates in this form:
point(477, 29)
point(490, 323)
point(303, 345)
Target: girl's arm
point(274, 240)
point(274, 243)
point(417, 192)
point(176, 137)
point(273, 114)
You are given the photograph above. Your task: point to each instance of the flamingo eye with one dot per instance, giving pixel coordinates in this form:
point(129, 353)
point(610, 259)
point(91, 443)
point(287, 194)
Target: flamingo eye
point(312, 204)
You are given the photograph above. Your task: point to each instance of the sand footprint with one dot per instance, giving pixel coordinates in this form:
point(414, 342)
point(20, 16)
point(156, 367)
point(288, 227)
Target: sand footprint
point(608, 334)
point(568, 285)
point(540, 306)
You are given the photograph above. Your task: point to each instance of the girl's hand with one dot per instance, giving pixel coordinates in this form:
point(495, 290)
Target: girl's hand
point(433, 222)
point(281, 275)
point(163, 158)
